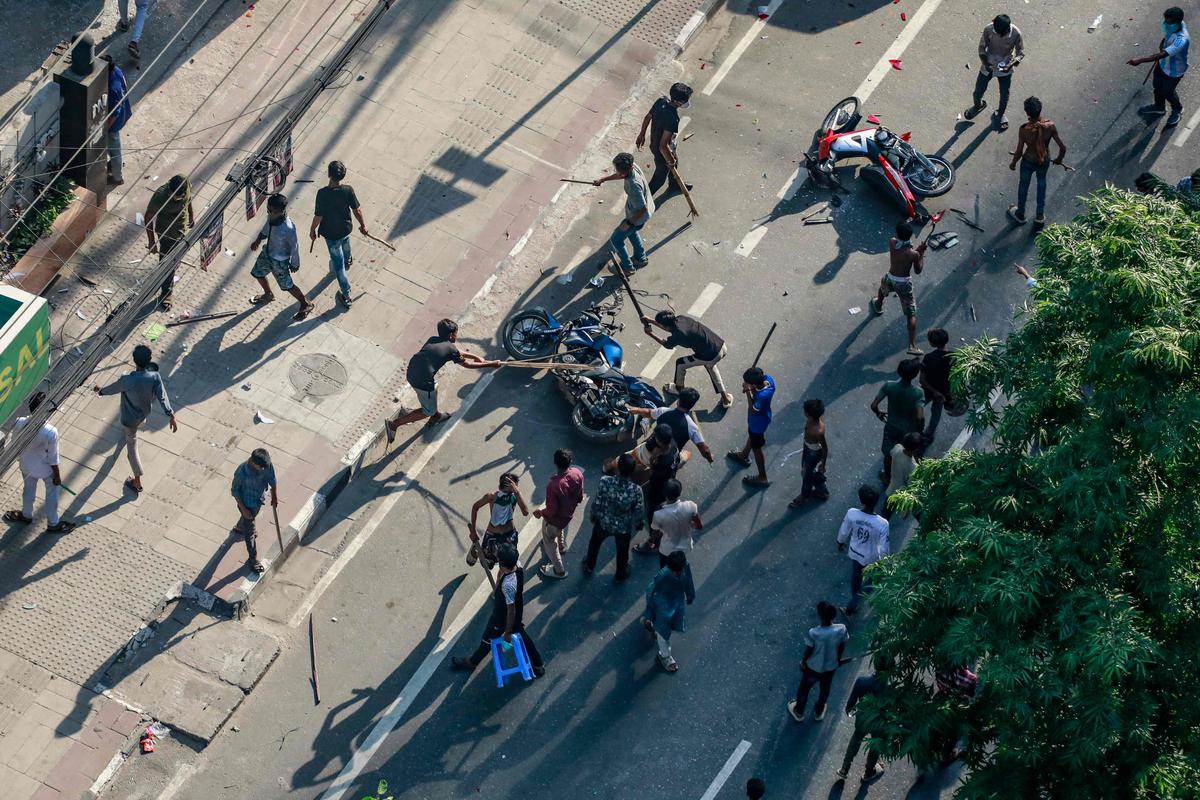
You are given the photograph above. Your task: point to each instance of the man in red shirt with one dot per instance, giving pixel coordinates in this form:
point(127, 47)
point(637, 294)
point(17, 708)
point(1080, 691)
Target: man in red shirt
point(564, 493)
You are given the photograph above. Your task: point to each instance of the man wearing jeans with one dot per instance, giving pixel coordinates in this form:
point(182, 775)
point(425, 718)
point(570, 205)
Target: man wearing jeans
point(251, 480)
point(1171, 64)
point(1001, 48)
point(824, 645)
point(119, 112)
point(639, 207)
point(139, 389)
point(331, 219)
point(867, 535)
point(1033, 154)
point(564, 493)
point(141, 12)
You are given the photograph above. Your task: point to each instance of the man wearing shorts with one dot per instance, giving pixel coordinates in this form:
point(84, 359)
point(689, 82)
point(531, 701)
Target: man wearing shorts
point(281, 257)
point(905, 260)
point(422, 375)
point(759, 388)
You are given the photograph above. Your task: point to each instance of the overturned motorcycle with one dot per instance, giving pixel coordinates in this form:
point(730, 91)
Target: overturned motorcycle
point(600, 395)
point(898, 170)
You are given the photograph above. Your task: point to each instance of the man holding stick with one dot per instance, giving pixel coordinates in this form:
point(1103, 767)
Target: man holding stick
point(759, 388)
point(639, 207)
point(663, 121)
point(331, 219)
point(251, 480)
point(707, 349)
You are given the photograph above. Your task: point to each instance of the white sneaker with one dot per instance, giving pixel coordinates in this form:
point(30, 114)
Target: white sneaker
point(819, 715)
point(791, 707)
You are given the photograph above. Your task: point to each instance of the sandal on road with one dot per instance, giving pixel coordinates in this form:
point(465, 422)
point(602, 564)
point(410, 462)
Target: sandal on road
point(755, 482)
point(669, 664)
point(304, 311)
point(262, 299)
point(645, 548)
point(134, 51)
point(17, 517)
point(129, 485)
point(736, 455)
point(62, 527)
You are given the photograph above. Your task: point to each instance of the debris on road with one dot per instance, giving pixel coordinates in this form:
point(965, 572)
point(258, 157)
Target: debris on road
point(855, 310)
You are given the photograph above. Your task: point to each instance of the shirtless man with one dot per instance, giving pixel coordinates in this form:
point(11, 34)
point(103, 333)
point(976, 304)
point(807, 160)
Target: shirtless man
point(1033, 154)
point(905, 260)
point(501, 530)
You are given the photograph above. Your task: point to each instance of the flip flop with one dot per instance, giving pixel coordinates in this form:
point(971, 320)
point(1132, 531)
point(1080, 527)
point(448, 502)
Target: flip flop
point(262, 299)
point(62, 527)
point(258, 567)
point(129, 485)
point(17, 517)
point(134, 51)
point(303, 313)
point(734, 455)
point(755, 482)
point(669, 664)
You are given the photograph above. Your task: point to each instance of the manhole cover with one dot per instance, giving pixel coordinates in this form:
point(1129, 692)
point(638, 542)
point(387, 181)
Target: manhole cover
point(318, 375)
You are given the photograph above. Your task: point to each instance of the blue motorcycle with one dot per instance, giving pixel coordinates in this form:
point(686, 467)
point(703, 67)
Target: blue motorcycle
point(600, 395)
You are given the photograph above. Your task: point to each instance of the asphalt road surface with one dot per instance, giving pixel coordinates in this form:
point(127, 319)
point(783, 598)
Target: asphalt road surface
point(606, 721)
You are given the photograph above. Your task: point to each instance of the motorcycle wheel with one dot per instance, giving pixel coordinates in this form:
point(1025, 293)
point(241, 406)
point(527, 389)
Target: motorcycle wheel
point(520, 340)
point(842, 117)
point(588, 428)
point(924, 184)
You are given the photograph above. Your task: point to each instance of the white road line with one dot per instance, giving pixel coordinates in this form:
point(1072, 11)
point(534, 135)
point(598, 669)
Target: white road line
point(960, 441)
point(683, 123)
point(739, 49)
point(1187, 130)
point(182, 776)
point(730, 765)
point(750, 241)
point(793, 184)
point(538, 159)
point(404, 700)
point(909, 32)
point(575, 263)
point(702, 304)
point(384, 508)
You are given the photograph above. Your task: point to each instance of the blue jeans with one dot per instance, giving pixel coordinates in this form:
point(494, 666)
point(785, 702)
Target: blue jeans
point(617, 242)
point(858, 586)
point(339, 254)
point(1028, 168)
point(142, 11)
point(115, 162)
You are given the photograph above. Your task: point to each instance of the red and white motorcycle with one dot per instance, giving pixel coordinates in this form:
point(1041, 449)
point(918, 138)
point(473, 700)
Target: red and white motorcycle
point(897, 169)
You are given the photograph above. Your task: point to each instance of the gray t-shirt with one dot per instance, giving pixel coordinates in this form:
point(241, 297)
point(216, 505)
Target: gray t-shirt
point(824, 641)
point(138, 391)
point(637, 195)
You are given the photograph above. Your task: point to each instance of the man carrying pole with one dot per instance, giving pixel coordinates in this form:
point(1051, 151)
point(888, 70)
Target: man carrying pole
point(335, 203)
point(639, 207)
point(663, 121)
point(251, 480)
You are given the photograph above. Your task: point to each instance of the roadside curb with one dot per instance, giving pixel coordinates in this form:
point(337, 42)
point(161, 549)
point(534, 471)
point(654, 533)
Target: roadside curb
point(694, 25)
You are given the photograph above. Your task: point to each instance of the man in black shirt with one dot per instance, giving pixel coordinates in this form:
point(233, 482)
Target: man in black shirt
point(663, 121)
point(331, 219)
point(422, 375)
point(508, 616)
point(707, 349)
point(935, 377)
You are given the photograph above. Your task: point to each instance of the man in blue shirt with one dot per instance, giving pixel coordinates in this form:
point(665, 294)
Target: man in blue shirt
point(119, 112)
point(759, 388)
point(1171, 64)
point(250, 483)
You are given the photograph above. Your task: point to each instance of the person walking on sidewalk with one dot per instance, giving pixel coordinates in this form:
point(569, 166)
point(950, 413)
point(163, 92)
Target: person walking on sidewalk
point(672, 525)
point(501, 529)
point(141, 14)
point(935, 378)
point(169, 216)
point(1171, 62)
point(864, 686)
point(866, 534)
point(905, 413)
point(422, 376)
point(824, 645)
point(759, 388)
point(670, 592)
point(119, 112)
point(680, 420)
point(139, 389)
point(815, 455)
point(663, 121)
point(39, 463)
point(707, 350)
point(1001, 49)
point(619, 511)
point(508, 615)
point(281, 257)
point(251, 480)
point(1033, 154)
point(639, 207)
point(903, 261)
point(564, 493)
point(331, 219)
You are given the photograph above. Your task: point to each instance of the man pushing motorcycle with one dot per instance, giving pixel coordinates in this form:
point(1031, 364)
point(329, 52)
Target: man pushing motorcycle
point(905, 260)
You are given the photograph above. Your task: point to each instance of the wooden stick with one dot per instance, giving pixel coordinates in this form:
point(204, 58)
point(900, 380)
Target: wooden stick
point(203, 318)
point(312, 656)
point(764, 345)
point(576, 180)
point(692, 211)
point(625, 282)
point(479, 552)
point(278, 530)
point(386, 244)
point(544, 365)
point(311, 244)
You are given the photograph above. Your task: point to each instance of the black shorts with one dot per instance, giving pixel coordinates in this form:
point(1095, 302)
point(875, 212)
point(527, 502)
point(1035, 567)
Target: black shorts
point(890, 440)
point(757, 439)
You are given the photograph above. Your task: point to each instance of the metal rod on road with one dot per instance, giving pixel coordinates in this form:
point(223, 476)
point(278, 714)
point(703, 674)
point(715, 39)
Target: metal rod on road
point(764, 345)
point(312, 657)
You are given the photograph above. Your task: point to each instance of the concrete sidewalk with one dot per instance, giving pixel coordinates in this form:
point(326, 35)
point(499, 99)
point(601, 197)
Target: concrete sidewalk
point(455, 122)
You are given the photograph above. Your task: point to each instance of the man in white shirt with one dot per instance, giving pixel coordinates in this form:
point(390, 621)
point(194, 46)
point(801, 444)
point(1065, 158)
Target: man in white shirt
point(39, 462)
point(672, 525)
point(680, 419)
point(866, 533)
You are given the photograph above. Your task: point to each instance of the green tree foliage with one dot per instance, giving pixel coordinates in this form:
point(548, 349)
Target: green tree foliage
point(39, 219)
point(1064, 566)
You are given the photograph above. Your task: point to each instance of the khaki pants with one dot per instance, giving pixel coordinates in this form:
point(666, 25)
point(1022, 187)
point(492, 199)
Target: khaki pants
point(131, 443)
point(553, 543)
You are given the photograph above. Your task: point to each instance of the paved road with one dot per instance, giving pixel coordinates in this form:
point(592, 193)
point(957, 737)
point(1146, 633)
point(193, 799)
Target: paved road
point(605, 721)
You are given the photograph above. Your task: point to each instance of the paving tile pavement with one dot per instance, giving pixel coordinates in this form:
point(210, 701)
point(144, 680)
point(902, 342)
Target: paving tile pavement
point(455, 122)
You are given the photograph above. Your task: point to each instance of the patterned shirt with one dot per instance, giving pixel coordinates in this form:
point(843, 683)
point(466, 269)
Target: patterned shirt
point(1175, 45)
point(250, 485)
point(620, 507)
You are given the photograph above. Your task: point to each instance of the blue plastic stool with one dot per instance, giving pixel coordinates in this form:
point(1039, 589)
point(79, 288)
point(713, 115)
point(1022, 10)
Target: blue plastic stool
point(523, 668)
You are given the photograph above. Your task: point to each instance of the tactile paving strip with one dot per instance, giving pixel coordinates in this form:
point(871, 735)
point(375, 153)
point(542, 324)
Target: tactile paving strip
point(656, 22)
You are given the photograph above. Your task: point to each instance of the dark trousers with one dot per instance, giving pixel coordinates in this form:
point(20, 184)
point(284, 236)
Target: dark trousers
point(494, 631)
point(250, 533)
point(807, 679)
point(1028, 170)
point(593, 549)
point(935, 416)
point(165, 246)
point(856, 740)
point(981, 83)
point(810, 459)
point(1165, 91)
point(662, 171)
point(857, 587)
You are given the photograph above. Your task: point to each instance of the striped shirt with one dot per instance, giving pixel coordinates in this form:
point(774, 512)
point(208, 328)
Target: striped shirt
point(1176, 47)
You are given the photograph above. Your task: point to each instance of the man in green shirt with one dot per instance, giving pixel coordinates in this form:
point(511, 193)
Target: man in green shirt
point(169, 216)
point(905, 412)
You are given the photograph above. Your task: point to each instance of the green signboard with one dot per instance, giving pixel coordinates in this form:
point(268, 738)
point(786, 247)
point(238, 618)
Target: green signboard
point(24, 346)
